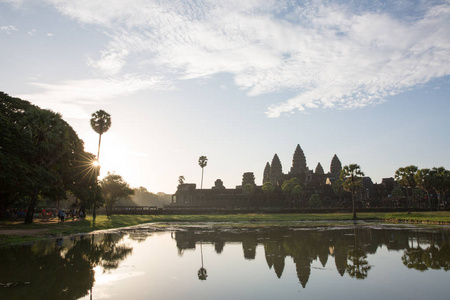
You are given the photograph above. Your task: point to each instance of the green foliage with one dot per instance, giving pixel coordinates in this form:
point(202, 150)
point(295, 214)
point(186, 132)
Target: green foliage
point(315, 201)
point(202, 162)
point(248, 190)
point(397, 192)
point(114, 188)
point(100, 121)
point(143, 197)
point(41, 155)
point(351, 177)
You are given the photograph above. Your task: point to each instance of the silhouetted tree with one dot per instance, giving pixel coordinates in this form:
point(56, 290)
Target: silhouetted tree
point(114, 188)
point(351, 177)
point(100, 123)
point(202, 162)
point(405, 177)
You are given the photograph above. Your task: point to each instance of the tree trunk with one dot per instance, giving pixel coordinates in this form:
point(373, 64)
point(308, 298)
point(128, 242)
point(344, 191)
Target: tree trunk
point(201, 184)
point(31, 207)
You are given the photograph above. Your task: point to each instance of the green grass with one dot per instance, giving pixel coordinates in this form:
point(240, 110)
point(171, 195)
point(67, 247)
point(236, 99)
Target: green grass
point(117, 221)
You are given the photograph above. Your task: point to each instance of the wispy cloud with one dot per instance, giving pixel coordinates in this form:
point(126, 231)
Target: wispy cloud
point(8, 29)
point(69, 97)
point(331, 54)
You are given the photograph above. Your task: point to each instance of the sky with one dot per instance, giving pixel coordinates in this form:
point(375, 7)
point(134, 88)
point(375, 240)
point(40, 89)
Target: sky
point(237, 81)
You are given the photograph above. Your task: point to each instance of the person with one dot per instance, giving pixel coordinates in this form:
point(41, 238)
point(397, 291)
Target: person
point(63, 215)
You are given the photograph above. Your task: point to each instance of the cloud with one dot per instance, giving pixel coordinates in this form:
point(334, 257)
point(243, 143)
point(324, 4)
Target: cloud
point(329, 55)
point(69, 97)
point(8, 29)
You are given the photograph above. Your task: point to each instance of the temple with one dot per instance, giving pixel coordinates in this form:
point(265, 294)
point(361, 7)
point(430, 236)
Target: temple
point(312, 182)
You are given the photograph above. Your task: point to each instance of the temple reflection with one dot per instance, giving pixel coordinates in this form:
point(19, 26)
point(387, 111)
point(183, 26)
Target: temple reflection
point(347, 247)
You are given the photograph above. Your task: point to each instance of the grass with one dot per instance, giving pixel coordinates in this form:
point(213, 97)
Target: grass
point(30, 232)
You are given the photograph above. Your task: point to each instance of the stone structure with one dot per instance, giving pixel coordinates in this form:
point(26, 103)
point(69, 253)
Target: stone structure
point(248, 178)
point(315, 181)
point(276, 171)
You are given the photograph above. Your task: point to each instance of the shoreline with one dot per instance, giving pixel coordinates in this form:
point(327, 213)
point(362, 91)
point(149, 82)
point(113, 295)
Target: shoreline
point(15, 232)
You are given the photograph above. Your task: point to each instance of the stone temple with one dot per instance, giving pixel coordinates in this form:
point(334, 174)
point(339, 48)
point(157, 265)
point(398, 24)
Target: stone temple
point(313, 182)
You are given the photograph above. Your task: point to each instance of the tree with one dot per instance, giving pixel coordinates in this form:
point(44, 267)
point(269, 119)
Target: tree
point(114, 188)
point(202, 162)
point(351, 177)
point(100, 123)
point(440, 181)
point(405, 177)
point(268, 190)
point(292, 189)
point(423, 181)
point(315, 201)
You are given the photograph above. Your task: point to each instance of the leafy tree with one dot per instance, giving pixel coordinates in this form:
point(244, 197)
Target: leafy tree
point(114, 188)
point(202, 162)
point(268, 190)
point(100, 123)
point(440, 181)
point(315, 201)
point(397, 192)
point(405, 177)
point(351, 177)
point(39, 155)
point(423, 181)
point(292, 189)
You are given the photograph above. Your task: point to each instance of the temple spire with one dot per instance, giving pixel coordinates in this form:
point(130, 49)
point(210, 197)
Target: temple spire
point(276, 171)
point(335, 167)
point(298, 162)
point(266, 176)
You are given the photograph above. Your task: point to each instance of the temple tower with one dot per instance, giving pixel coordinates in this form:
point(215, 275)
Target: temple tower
point(335, 167)
point(266, 176)
point(298, 162)
point(248, 178)
point(319, 169)
point(276, 171)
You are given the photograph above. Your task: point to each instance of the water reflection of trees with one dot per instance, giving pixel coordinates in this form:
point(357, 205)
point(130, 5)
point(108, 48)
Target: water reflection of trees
point(59, 268)
point(349, 247)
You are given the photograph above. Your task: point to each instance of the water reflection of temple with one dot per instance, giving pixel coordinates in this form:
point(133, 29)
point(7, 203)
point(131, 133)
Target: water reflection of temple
point(346, 248)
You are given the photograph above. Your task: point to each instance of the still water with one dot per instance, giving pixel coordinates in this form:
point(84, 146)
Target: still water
point(302, 260)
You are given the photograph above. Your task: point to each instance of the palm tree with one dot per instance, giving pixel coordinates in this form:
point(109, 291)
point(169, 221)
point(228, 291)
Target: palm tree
point(405, 177)
point(202, 162)
point(351, 177)
point(100, 122)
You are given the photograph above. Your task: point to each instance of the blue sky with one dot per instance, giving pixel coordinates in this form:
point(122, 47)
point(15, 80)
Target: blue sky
point(237, 81)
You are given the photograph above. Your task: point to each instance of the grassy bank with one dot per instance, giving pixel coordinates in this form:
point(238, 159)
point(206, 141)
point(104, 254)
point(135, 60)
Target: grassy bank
point(13, 232)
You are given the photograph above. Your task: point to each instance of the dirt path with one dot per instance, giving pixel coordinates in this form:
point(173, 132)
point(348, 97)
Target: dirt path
point(31, 232)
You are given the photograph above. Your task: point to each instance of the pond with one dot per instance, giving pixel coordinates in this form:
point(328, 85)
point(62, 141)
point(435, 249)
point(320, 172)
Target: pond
point(204, 261)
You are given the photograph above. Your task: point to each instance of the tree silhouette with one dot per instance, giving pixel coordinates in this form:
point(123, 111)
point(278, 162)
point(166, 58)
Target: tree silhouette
point(100, 123)
point(351, 176)
point(405, 177)
point(202, 273)
point(202, 162)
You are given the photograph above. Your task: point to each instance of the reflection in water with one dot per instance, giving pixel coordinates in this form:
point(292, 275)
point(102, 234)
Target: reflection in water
point(202, 274)
point(54, 269)
point(348, 247)
point(66, 268)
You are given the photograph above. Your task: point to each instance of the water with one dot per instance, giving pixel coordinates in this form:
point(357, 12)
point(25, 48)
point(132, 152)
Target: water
point(364, 261)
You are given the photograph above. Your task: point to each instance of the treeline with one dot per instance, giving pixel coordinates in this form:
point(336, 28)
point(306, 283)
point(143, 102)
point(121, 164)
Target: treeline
point(43, 162)
point(41, 157)
point(142, 197)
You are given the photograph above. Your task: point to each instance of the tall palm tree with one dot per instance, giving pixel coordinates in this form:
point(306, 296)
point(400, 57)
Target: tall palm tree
point(351, 177)
point(100, 122)
point(405, 177)
point(202, 162)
